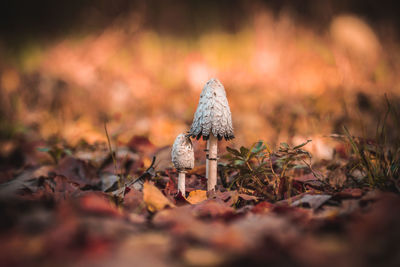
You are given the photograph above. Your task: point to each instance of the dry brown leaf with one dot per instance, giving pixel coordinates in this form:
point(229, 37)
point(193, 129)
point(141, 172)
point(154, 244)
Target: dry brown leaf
point(197, 196)
point(248, 197)
point(212, 208)
point(98, 203)
point(350, 193)
point(314, 201)
point(154, 199)
point(202, 257)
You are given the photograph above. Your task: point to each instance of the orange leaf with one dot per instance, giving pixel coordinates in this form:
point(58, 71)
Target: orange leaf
point(197, 196)
point(154, 199)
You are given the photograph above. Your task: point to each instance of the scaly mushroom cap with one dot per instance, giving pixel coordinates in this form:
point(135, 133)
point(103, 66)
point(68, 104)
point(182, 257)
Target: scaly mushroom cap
point(182, 153)
point(213, 114)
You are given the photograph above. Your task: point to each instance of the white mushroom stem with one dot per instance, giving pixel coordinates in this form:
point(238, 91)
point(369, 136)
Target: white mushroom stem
point(212, 162)
point(181, 181)
point(207, 161)
point(183, 159)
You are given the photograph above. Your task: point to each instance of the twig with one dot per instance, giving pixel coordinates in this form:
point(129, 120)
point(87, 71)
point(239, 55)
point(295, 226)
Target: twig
point(111, 151)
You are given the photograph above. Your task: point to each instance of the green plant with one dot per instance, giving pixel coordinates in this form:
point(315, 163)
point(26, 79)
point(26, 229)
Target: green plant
point(379, 158)
point(263, 172)
point(379, 161)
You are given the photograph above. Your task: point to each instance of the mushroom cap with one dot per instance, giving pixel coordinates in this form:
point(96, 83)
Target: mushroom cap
point(182, 153)
point(213, 115)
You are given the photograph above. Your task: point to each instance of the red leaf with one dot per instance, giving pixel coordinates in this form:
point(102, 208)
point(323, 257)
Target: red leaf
point(58, 188)
point(213, 208)
point(262, 207)
point(171, 187)
point(98, 203)
point(350, 193)
point(133, 201)
point(304, 178)
point(78, 171)
point(180, 199)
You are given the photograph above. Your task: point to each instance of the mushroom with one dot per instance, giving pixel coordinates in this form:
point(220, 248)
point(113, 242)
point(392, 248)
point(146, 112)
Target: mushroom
point(182, 158)
point(212, 121)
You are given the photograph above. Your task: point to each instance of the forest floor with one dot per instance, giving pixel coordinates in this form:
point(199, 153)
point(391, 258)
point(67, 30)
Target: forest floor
point(85, 206)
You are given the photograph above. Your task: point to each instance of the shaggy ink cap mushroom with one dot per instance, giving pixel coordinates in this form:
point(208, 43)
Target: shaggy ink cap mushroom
point(212, 121)
point(183, 159)
point(213, 115)
point(182, 153)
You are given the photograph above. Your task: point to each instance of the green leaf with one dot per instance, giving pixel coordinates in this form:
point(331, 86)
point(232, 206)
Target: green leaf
point(233, 151)
point(239, 162)
point(258, 147)
point(301, 145)
point(285, 145)
point(227, 156)
point(68, 151)
point(244, 151)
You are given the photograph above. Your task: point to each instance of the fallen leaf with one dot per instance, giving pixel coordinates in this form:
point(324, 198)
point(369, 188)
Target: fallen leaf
point(229, 197)
point(98, 204)
point(181, 217)
point(58, 188)
point(317, 184)
point(197, 196)
point(133, 201)
point(180, 200)
point(78, 171)
point(248, 197)
point(350, 193)
point(144, 249)
point(154, 199)
point(171, 187)
point(212, 208)
point(262, 207)
point(62, 187)
point(24, 180)
point(202, 257)
point(314, 201)
point(96, 157)
point(253, 228)
point(305, 177)
point(108, 180)
point(337, 177)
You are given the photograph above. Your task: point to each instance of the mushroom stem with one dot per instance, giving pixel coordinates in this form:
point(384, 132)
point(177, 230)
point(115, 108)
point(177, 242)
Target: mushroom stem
point(207, 154)
point(212, 163)
point(181, 181)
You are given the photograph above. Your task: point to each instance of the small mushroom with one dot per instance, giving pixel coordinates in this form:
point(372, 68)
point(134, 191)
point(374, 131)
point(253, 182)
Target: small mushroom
point(212, 121)
point(182, 158)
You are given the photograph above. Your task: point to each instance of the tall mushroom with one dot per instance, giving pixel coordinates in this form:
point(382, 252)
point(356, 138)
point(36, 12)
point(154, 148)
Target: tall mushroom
point(183, 159)
point(212, 121)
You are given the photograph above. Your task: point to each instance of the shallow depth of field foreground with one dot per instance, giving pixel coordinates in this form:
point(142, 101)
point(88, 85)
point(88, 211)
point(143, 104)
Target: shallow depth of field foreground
point(304, 146)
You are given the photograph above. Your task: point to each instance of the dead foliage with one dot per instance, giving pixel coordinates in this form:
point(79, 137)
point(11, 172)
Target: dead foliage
point(271, 207)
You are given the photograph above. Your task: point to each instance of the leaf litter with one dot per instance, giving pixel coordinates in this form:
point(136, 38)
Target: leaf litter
point(271, 207)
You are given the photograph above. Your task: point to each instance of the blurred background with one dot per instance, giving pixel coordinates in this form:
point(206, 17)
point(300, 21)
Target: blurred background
point(293, 70)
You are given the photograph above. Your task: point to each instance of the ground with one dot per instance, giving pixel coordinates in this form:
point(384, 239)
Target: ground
point(74, 211)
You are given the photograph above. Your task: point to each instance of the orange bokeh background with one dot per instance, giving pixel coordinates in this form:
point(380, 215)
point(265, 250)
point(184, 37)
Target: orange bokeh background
point(286, 79)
